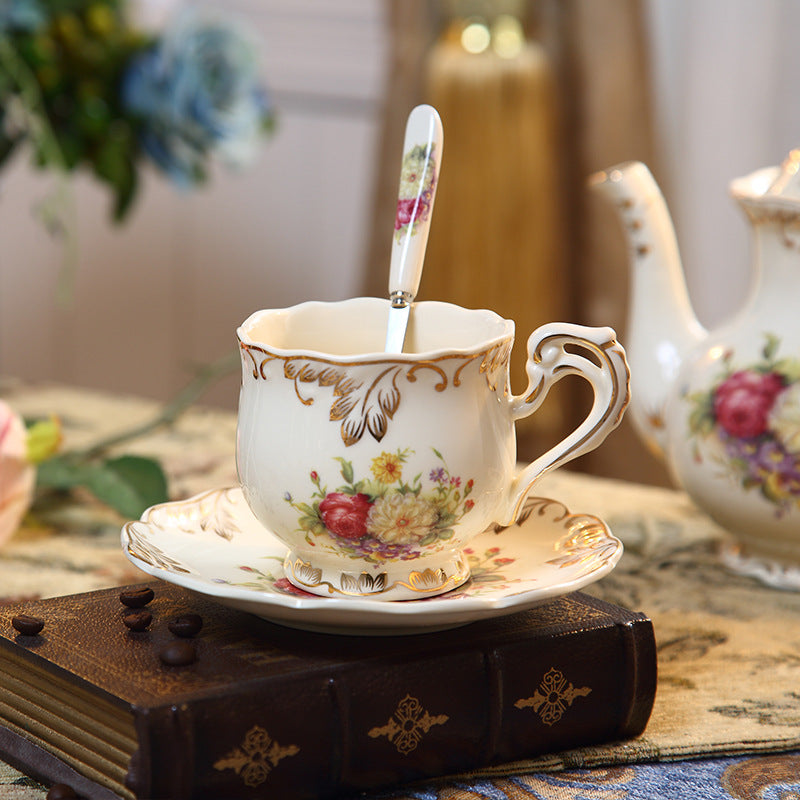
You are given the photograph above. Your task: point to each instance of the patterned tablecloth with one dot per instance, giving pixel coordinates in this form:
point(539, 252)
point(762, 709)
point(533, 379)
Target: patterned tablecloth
point(726, 723)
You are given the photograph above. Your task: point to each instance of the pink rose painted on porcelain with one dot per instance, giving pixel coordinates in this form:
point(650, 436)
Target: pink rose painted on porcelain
point(345, 515)
point(285, 585)
point(743, 401)
point(17, 474)
point(406, 212)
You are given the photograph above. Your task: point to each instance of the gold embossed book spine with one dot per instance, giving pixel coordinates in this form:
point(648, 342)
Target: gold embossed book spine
point(270, 712)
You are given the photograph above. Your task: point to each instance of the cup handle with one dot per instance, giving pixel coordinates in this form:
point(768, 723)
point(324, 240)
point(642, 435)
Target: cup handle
point(604, 367)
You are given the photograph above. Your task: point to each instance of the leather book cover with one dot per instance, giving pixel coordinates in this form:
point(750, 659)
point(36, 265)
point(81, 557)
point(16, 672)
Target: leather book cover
point(266, 711)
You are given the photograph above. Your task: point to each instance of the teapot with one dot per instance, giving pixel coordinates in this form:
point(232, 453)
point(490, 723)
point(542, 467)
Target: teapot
point(722, 407)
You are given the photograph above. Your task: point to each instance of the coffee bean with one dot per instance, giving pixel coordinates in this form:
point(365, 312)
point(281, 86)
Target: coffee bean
point(137, 598)
point(27, 625)
point(60, 791)
point(178, 653)
point(186, 626)
point(137, 619)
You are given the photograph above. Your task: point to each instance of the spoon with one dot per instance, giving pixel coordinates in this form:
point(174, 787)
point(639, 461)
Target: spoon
point(419, 175)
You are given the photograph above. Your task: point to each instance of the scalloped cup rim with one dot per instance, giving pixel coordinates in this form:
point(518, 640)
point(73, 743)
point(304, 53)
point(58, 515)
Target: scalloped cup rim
point(505, 328)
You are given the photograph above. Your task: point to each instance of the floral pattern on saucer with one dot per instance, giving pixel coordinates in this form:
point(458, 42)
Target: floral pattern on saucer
point(213, 544)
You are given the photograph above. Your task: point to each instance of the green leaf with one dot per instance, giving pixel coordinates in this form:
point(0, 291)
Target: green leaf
point(129, 484)
point(771, 346)
point(61, 473)
point(114, 164)
point(701, 417)
point(7, 147)
point(437, 453)
point(347, 469)
point(125, 191)
point(789, 368)
point(308, 524)
point(306, 509)
point(373, 489)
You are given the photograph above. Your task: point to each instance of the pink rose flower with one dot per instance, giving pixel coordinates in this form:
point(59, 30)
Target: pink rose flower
point(405, 211)
point(345, 515)
point(743, 401)
point(285, 585)
point(17, 474)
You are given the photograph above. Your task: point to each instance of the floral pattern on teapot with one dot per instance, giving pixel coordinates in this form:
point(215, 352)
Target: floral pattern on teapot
point(385, 517)
point(750, 423)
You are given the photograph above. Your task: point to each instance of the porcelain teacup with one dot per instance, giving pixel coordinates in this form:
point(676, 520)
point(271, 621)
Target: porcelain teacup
point(376, 469)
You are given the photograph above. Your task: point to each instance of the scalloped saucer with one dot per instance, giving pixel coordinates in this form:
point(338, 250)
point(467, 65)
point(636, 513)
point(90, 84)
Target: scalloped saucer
point(212, 544)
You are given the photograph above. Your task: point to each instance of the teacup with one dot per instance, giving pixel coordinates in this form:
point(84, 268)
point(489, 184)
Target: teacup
point(374, 469)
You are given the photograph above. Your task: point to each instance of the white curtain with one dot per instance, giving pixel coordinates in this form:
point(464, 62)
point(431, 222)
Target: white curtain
point(727, 89)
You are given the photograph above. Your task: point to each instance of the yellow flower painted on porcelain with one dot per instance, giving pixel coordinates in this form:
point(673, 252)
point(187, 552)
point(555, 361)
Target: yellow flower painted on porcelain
point(387, 468)
point(401, 518)
point(776, 487)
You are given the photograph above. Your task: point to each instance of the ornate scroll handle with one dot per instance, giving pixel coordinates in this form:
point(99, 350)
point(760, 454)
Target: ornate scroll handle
point(606, 370)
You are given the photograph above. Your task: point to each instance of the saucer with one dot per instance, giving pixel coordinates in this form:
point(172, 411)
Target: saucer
point(212, 544)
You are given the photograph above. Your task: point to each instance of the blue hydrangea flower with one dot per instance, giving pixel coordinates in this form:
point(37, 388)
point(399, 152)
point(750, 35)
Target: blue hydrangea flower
point(23, 15)
point(197, 94)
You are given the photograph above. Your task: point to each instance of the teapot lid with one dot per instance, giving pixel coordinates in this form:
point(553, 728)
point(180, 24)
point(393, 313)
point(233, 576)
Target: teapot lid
point(773, 189)
point(787, 182)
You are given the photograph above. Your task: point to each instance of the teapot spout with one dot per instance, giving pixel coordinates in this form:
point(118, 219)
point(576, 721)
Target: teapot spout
point(662, 327)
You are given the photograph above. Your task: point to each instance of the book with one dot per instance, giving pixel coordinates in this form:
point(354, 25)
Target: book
point(266, 711)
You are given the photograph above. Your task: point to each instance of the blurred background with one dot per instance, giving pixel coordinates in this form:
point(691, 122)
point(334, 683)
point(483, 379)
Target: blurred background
point(535, 96)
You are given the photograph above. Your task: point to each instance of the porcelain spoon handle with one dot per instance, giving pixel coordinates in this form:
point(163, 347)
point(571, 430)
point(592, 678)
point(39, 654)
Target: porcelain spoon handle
point(419, 175)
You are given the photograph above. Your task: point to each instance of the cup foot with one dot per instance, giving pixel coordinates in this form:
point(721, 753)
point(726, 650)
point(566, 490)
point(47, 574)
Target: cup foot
point(401, 580)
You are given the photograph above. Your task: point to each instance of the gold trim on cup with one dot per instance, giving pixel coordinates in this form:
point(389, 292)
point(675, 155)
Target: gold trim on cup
point(363, 403)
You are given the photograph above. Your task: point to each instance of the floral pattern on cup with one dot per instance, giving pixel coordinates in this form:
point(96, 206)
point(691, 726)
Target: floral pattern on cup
point(752, 414)
point(385, 517)
point(417, 182)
